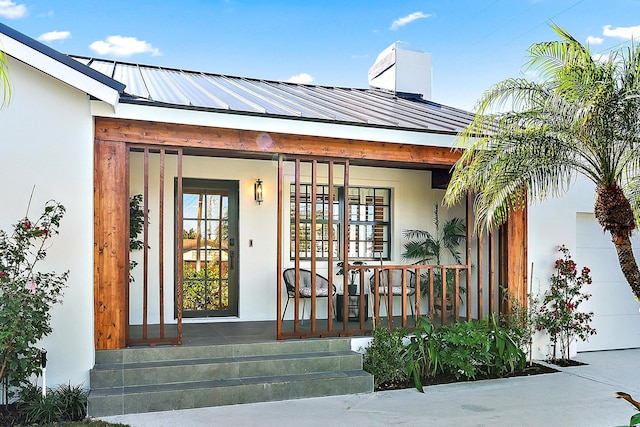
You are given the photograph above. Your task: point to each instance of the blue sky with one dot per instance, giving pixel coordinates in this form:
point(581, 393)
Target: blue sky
point(474, 43)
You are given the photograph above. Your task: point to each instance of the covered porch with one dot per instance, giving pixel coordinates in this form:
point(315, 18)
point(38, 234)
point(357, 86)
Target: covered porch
point(160, 161)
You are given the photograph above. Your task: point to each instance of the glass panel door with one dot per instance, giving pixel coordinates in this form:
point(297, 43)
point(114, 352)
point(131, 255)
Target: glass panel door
point(209, 258)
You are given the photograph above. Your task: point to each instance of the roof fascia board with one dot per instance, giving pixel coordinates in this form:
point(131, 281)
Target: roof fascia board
point(270, 124)
point(53, 63)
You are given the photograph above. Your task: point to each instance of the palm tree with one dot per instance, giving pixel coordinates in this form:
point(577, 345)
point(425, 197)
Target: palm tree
point(423, 246)
point(581, 118)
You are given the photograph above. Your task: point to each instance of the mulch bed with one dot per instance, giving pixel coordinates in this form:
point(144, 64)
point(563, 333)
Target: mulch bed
point(10, 416)
point(565, 363)
point(533, 369)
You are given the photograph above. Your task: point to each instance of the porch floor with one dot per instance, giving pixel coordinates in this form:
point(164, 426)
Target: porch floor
point(195, 334)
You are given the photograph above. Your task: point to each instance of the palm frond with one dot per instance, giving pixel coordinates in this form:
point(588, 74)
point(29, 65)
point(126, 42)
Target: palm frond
point(529, 140)
point(4, 79)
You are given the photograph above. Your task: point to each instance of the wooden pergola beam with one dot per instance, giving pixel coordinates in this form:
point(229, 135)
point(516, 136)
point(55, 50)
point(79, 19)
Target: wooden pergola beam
point(203, 137)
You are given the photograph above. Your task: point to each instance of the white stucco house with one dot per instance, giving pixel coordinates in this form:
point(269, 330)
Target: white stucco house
point(90, 133)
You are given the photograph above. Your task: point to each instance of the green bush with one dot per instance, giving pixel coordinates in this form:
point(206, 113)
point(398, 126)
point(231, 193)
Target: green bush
point(506, 350)
point(422, 355)
point(63, 403)
point(463, 350)
point(384, 357)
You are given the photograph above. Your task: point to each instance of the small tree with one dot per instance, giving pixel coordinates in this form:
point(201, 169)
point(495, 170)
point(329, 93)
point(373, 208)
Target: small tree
point(26, 296)
point(559, 314)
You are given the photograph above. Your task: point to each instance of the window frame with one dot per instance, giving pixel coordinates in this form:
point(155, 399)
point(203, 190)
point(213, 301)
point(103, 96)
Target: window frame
point(338, 221)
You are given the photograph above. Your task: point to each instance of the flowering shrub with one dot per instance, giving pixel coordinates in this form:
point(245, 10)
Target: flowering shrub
point(559, 314)
point(26, 295)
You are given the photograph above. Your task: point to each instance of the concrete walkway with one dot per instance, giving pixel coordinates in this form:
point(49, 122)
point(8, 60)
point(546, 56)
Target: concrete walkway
point(577, 396)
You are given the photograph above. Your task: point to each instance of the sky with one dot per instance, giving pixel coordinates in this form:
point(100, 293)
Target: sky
point(474, 43)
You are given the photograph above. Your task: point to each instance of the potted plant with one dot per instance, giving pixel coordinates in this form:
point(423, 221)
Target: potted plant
point(425, 247)
point(353, 288)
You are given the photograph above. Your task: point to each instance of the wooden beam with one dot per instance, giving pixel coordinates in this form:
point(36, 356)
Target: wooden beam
point(513, 242)
point(111, 244)
point(203, 137)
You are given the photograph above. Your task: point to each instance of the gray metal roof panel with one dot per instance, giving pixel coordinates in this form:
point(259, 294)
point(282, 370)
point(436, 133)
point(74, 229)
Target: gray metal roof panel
point(130, 75)
point(160, 87)
point(357, 106)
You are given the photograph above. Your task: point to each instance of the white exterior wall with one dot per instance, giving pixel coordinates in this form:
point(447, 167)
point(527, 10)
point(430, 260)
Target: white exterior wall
point(47, 142)
point(569, 221)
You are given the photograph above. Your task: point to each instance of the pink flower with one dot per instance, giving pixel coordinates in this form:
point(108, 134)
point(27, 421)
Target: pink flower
point(3, 274)
point(33, 288)
point(27, 224)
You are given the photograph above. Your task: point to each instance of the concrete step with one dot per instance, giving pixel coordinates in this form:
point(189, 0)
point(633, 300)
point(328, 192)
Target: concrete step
point(186, 370)
point(199, 394)
point(166, 378)
point(151, 354)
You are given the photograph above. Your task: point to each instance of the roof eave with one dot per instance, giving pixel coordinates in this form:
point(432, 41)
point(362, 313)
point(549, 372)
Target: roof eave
point(146, 103)
point(59, 66)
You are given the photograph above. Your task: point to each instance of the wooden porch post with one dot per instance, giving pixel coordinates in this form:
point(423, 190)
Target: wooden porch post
point(111, 244)
point(513, 251)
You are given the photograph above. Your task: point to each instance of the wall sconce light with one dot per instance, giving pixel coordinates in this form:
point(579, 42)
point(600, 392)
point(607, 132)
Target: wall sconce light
point(257, 191)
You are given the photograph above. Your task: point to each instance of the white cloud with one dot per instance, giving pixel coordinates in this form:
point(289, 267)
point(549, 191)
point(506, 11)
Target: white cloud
point(595, 40)
point(10, 10)
point(123, 46)
point(54, 35)
point(401, 22)
point(600, 57)
point(621, 32)
point(302, 78)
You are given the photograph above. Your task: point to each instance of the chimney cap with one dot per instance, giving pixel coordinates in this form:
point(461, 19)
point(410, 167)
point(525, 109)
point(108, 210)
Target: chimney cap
point(402, 68)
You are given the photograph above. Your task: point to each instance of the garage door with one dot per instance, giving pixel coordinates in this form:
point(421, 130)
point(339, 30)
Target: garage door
point(616, 316)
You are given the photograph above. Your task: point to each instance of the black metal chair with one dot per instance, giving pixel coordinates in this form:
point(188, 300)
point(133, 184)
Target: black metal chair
point(396, 286)
point(304, 289)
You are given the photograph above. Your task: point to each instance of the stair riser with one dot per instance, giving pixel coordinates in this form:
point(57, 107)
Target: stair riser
point(146, 354)
point(229, 395)
point(222, 370)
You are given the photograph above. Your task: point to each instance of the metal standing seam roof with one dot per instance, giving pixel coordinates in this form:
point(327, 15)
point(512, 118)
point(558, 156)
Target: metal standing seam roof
point(216, 92)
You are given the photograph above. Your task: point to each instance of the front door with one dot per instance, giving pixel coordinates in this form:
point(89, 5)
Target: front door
point(209, 248)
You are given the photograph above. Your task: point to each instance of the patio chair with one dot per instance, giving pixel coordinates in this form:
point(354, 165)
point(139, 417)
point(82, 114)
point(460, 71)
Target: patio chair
point(304, 290)
point(396, 289)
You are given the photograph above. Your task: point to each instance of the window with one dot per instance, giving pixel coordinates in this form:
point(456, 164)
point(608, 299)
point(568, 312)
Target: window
point(369, 213)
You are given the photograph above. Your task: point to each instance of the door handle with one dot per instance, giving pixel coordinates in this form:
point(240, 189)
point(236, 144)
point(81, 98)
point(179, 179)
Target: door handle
point(231, 254)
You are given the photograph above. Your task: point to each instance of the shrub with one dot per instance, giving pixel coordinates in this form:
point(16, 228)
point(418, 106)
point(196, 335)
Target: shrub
point(462, 350)
point(26, 295)
point(422, 355)
point(63, 403)
point(465, 349)
point(383, 357)
point(559, 314)
point(522, 321)
point(507, 354)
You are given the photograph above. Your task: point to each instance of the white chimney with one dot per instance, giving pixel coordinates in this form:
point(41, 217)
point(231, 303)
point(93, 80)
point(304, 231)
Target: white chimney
point(402, 68)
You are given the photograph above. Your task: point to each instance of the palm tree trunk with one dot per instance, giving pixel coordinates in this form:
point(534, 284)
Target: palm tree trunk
point(614, 213)
point(627, 262)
